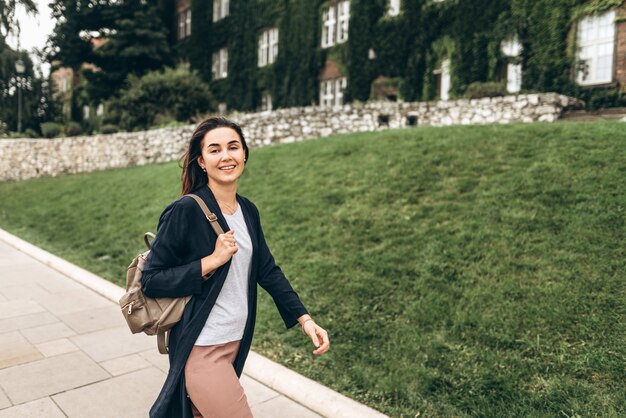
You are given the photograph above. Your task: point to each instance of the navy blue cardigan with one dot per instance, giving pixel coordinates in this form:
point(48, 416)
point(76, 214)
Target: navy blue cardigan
point(184, 236)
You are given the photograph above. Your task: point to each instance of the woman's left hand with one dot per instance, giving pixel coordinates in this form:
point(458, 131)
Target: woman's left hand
point(318, 336)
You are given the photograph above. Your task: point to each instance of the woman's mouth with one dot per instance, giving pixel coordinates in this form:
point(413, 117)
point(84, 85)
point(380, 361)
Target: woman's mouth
point(227, 168)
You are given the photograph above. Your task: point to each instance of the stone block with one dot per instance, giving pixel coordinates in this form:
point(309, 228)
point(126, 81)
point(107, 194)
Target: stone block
point(56, 347)
point(129, 395)
point(50, 375)
point(157, 359)
point(73, 301)
point(4, 401)
point(48, 332)
point(15, 349)
point(256, 392)
point(40, 408)
point(19, 307)
point(26, 321)
point(126, 364)
point(281, 407)
point(83, 322)
point(114, 342)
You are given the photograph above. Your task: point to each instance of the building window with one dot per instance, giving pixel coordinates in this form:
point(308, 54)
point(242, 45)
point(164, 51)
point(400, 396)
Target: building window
point(596, 42)
point(442, 80)
point(328, 28)
point(394, 8)
point(266, 102)
point(219, 68)
point(100, 110)
point(85, 112)
point(512, 49)
point(184, 24)
point(331, 91)
point(335, 21)
point(268, 47)
point(220, 9)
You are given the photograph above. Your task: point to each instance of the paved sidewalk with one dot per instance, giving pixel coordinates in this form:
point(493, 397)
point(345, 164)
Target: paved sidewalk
point(65, 351)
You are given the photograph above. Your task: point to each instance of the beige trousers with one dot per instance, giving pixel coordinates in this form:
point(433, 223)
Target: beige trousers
point(212, 383)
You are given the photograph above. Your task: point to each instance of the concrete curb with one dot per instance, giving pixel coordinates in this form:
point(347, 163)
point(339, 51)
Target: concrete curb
point(306, 392)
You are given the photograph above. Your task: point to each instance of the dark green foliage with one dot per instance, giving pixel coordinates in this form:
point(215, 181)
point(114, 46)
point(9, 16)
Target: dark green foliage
point(363, 17)
point(156, 97)
point(136, 42)
point(109, 129)
point(73, 129)
point(50, 129)
point(300, 58)
point(36, 96)
point(30, 133)
point(485, 89)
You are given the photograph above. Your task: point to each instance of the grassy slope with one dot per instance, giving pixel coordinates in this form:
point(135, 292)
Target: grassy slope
point(460, 271)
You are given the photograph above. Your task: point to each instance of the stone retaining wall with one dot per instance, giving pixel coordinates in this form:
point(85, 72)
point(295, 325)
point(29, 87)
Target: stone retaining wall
point(22, 159)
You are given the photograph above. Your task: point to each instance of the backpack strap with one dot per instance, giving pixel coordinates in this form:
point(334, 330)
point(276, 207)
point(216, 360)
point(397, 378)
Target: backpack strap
point(163, 339)
point(209, 215)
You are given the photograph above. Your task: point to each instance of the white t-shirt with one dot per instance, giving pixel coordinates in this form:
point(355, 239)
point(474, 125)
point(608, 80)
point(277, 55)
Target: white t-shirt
point(227, 319)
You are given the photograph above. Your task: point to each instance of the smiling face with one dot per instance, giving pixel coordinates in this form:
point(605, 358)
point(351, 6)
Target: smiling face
point(223, 155)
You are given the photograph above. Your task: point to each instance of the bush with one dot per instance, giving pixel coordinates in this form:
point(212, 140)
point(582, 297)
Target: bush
point(109, 129)
point(174, 94)
point(50, 129)
point(73, 129)
point(602, 98)
point(30, 133)
point(485, 89)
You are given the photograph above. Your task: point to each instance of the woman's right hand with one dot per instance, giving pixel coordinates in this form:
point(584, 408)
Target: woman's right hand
point(225, 247)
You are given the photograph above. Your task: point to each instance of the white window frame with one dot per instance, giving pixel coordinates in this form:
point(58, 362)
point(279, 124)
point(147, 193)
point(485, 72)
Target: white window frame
point(221, 9)
point(445, 80)
point(343, 20)
point(219, 67)
point(266, 102)
point(513, 78)
point(181, 27)
point(394, 8)
point(598, 36)
point(329, 25)
point(268, 47)
point(512, 48)
point(263, 47)
point(332, 91)
point(188, 22)
point(273, 45)
point(184, 24)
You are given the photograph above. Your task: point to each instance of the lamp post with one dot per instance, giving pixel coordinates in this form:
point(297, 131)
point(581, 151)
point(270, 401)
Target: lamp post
point(19, 68)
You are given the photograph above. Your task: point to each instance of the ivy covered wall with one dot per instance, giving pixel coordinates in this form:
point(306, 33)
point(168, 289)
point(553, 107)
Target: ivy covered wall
point(408, 48)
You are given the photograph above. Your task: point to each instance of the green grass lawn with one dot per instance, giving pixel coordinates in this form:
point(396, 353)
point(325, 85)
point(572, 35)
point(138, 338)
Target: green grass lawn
point(462, 271)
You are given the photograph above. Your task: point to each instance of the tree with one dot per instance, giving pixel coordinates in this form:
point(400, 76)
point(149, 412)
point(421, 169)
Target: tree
point(118, 39)
point(7, 15)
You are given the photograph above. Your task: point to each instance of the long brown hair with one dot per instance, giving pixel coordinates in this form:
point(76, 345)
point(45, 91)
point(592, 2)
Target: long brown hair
point(193, 176)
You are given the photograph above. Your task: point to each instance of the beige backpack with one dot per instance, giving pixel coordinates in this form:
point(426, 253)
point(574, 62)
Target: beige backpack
point(155, 315)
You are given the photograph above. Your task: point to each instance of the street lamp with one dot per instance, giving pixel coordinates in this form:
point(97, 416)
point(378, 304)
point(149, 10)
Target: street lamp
point(19, 68)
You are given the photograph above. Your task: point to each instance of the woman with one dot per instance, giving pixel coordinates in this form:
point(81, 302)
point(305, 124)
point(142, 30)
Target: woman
point(208, 347)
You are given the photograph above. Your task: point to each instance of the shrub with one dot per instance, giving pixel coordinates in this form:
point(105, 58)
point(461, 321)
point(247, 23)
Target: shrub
point(176, 94)
point(109, 128)
point(73, 129)
point(602, 98)
point(30, 133)
point(485, 89)
point(50, 129)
